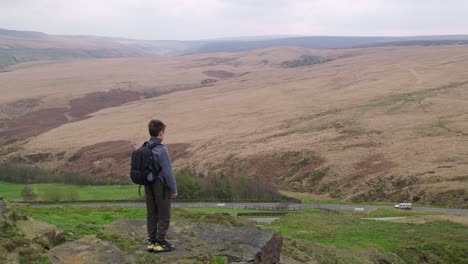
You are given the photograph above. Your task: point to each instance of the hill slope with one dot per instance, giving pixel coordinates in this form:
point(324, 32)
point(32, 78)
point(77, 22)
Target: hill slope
point(330, 42)
point(361, 124)
point(24, 46)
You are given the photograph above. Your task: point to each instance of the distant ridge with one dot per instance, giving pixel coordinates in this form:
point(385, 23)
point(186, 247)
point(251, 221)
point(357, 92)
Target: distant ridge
point(320, 42)
point(25, 46)
point(16, 33)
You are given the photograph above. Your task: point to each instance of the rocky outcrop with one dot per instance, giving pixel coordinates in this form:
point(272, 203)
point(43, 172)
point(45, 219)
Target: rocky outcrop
point(271, 251)
point(89, 249)
point(288, 260)
point(128, 229)
point(195, 243)
point(235, 244)
point(15, 247)
point(7, 215)
point(2, 208)
point(46, 234)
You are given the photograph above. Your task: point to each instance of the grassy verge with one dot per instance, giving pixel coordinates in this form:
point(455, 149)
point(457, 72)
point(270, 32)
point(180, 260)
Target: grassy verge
point(11, 191)
point(391, 212)
point(191, 185)
point(66, 192)
point(309, 236)
point(231, 211)
point(307, 198)
point(312, 233)
point(80, 221)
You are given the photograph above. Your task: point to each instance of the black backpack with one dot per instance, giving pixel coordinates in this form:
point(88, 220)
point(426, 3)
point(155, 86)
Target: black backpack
point(143, 164)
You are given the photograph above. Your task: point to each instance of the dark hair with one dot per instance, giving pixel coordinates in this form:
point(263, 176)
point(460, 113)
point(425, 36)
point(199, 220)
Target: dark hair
point(155, 127)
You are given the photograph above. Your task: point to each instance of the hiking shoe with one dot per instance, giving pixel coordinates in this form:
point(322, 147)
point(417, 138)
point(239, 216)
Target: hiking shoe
point(151, 246)
point(158, 248)
point(166, 245)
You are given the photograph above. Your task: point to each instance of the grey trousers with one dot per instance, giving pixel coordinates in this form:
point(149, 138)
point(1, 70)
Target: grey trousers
point(158, 210)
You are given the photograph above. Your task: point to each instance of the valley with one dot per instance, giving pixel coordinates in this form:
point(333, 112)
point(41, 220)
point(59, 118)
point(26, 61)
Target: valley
point(363, 124)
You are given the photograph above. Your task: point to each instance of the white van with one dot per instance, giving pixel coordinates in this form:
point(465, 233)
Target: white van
point(406, 206)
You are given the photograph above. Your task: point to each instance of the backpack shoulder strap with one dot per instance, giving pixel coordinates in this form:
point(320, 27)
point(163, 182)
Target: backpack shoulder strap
point(153, 165)
point(153, 145)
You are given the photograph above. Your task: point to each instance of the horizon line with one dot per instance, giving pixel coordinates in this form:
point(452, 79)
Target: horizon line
point(234, 38)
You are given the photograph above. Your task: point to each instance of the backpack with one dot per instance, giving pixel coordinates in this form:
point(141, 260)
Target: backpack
point(143, 164)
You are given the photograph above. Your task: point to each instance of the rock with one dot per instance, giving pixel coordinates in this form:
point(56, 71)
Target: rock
point(7, 215)
point(195, 240)
point(248, 222)
point(126, 228)
point(46, 234)
point(89, 249)
point(2, 206)
point(288, 260)
point(2, 210)
point(271, 251)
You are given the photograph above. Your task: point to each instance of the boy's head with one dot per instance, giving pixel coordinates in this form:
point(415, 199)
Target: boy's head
point(156, 128)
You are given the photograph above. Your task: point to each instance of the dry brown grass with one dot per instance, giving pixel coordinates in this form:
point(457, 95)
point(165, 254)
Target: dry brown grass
point(389, 123)
point(56, 83)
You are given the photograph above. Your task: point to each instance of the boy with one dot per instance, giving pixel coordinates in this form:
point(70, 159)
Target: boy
point(159, 193)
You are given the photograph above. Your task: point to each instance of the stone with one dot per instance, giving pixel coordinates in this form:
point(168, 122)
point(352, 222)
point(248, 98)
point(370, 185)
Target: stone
point(89, 249)
point(48, 235)
point(2, 211)
point(9, 216)
point(2, 207)
point(196, 240)
point(126, 228)
point(288, 260)
point(269, 252)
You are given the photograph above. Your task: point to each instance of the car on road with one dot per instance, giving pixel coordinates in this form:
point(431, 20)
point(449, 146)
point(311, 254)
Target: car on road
point(405, 206)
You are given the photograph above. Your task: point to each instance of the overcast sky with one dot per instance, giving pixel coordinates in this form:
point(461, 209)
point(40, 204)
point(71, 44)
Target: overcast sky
point(203, 19)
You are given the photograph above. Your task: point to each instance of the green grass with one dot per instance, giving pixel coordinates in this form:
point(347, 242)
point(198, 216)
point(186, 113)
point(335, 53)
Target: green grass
point(306, 198)
point(80, 221)
point(309, 235)
point(438, 240)
point(231, 211)
point(391, 212)
point(219, 260)
point(12, 242)
point(10, 191)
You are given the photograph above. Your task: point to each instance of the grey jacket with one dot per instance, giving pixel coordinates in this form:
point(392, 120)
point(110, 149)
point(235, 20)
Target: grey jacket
point(161, 157)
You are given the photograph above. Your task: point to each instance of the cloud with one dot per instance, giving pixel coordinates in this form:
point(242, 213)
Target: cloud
point(198, 19)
